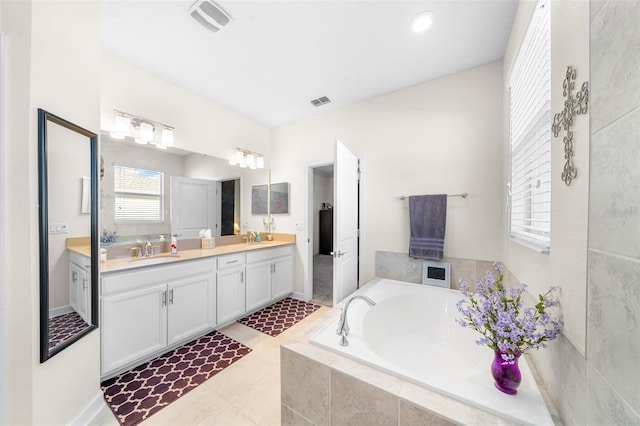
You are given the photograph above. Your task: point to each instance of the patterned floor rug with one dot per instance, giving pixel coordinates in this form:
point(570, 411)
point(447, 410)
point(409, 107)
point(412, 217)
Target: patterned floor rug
point(276, 318)
point(137, 394)
point(65, 326)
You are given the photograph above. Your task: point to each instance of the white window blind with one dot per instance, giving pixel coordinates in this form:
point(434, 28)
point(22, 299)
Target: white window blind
point(530, 125)
point(138, 195)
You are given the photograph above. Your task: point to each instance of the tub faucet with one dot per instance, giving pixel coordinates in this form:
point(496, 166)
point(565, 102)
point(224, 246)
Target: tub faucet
point(343, 325)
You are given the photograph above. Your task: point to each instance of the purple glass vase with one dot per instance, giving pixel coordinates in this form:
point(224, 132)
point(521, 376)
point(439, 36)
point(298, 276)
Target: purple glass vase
point(505, 371)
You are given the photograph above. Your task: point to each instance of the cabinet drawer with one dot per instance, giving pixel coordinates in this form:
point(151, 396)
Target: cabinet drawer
point(230, 261)
point(268, 254)
point(128, 280)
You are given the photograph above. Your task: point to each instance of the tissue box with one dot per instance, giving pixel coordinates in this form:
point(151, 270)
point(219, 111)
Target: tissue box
point(208, 243)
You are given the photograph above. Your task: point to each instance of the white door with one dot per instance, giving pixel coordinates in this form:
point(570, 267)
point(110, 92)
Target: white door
point(193, 206)
point(345, 223)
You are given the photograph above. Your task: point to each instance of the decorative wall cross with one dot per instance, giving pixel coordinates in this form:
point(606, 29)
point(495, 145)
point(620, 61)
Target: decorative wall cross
point(573, 105)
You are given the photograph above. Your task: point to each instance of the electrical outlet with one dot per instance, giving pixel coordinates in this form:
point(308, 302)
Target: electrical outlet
point(58, 228)
point(299, 226)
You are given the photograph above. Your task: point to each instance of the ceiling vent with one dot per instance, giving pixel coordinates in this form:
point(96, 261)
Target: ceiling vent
point(322, 100)
point(209, 15)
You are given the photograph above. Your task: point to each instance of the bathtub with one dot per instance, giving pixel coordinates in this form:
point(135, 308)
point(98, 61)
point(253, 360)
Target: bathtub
point(411, 333)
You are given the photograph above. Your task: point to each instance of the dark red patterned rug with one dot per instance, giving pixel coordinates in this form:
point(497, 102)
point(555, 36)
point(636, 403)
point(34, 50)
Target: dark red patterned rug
point(276, 318)
point(65, 326)
point(137, 394)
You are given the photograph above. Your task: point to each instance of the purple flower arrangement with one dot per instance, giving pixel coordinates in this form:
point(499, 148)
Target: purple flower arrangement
point(499, 316)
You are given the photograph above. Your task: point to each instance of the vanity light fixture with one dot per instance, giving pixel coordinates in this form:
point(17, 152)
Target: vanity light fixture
point(121, 127)
point(245, 158)
point(421, 22)
point(143, 130)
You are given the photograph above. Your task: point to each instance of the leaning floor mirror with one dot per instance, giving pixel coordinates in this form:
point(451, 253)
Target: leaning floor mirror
point(68, 219)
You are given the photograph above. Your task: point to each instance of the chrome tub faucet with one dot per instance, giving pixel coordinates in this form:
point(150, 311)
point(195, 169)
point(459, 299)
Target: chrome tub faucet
point(343, 325)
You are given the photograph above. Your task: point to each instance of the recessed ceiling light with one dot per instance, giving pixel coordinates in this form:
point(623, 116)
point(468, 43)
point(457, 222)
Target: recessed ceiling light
point(421, 22)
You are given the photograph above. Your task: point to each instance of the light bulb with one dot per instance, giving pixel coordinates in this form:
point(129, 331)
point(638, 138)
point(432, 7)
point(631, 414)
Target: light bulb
point(146, 131)
point(122, 126)
point(421, 22)
point(167, 137)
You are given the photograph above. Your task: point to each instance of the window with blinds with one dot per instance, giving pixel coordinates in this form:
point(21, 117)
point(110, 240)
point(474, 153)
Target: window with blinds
point(138, 195)
point(530, 128)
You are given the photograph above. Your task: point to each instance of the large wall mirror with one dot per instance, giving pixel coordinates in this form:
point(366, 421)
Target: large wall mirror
point(192, 191)
point(68, 218)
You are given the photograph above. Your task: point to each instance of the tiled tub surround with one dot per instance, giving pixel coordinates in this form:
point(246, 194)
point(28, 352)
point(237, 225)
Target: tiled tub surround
point(401, 267)
point(340, 390)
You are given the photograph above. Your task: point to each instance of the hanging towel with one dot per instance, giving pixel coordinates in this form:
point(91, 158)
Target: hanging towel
point(428, 220)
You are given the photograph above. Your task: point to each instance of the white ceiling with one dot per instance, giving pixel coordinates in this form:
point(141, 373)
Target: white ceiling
point(275, 56)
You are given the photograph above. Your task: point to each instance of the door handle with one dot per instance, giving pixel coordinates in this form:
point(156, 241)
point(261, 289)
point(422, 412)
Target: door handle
point(171, 297)
point(164, 298)
point(337, 253)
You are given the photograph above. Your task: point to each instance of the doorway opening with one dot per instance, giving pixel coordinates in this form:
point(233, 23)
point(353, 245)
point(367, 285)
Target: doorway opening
point(322, 235)
point(229, 207)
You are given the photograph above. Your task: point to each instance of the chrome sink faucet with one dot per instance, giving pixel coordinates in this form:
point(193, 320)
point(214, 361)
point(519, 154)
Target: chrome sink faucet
point(343, 325)
point(148, 249)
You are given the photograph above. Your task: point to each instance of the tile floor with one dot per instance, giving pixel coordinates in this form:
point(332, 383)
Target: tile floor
point(245, 393)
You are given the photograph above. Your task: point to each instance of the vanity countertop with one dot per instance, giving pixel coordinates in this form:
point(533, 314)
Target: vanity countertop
point(122, 264)
point(80, 245)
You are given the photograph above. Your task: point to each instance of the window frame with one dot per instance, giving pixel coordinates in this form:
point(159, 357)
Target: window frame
point(159, 196)
point(529, 188)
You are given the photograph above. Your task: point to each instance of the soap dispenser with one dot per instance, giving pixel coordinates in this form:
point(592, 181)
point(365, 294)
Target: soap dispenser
point(174, 244)
point(258, 238)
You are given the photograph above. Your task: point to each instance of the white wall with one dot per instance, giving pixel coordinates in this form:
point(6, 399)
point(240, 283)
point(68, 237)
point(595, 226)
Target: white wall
point(442, 136)
point(200, 125)
point(58, 71)
point(565, 265)
point(562, 365)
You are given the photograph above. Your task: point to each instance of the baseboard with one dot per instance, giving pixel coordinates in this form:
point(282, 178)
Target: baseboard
point(298, 295)
point(55, 312)
point(90, 411)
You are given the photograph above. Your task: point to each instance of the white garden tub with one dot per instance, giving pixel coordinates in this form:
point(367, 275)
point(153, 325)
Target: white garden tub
point(411, 333)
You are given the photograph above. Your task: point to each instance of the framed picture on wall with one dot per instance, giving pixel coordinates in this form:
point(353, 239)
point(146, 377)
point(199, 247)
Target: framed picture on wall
point(279, 198)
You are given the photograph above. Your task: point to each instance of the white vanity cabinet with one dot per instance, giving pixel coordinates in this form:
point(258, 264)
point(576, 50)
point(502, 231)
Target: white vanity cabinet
point(80, 285)
point(269, 276)
point(230, 282)
point(146, 311)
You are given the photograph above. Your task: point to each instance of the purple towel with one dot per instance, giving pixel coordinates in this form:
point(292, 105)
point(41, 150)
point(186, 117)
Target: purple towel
point(428, 220)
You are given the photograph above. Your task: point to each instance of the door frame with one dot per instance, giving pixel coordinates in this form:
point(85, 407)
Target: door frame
point(309, 230)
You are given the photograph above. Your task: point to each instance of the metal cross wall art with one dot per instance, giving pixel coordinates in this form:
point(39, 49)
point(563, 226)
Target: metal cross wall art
point(573, 105)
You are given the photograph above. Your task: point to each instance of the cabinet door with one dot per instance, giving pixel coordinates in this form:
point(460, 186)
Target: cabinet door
point(282, 277)
point(75, 280)
point(258, 285)
point(191, 307)
point(84, 296)
point(134, 325)
point(230, 294)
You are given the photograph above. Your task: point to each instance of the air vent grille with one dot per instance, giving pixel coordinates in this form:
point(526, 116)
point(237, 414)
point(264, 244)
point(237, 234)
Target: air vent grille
point(209, 15)
point(322, 100)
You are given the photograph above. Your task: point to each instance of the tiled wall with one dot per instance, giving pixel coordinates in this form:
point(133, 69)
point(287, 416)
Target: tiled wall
point(613, 321)
point(401, 267)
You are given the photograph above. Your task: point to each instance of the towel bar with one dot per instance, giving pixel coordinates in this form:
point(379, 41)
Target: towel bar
point(463, 195)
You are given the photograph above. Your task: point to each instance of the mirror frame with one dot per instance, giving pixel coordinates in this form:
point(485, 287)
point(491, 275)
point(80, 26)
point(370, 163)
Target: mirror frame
point(44, 118)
